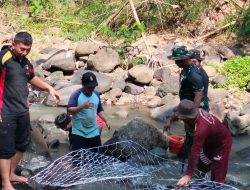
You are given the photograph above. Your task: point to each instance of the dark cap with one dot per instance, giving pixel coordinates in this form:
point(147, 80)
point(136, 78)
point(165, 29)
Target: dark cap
point(89, 79)
point(196, 54)
point(179, 53)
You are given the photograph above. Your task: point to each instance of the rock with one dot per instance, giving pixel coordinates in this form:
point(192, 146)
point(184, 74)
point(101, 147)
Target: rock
point(162, 74)
point(141, 74)
point(86, 48)
point(54, 77)
point(47, 118)
point(122, 113)
point(149, 90)
point(154, 102)
point(125, 98)
point(139, 132)
point(218, 110)
point(217, 94)
point(119, 84)
point(225, 52)
point(170, 86)
point(104, 81)
point(155, 83)
point(161, 113)
point(105, 60)
point(219, 80)
point(246, 109)
point(211, 72)
point(65, 94)
point(113, 94)
point(131, 88)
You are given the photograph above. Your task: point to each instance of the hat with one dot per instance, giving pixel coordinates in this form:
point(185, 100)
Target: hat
point(62, 120)
point(89, 79)
point(179, 53)
point(186, 110)
point(195, 53)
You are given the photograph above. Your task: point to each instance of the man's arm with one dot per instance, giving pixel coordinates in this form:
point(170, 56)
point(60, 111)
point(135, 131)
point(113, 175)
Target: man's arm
point(104, 118)
point(197, 98)
point(37, 82)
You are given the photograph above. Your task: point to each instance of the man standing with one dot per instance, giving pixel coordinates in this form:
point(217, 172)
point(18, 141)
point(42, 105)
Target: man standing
point(83, 105)
point(15, 73)
point(191, 88)
point(211, 145)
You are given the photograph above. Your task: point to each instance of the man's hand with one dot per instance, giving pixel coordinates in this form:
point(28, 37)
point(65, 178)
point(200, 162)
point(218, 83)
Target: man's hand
point(108, 126)
point(87, 105)
point(166, 127)
point(55, 95)
point(184, 180)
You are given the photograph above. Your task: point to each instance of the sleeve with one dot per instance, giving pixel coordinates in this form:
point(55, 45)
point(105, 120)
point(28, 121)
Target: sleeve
point(199, 139)
point(73, 99)
point(31, 71)
point(99, 107)
point(195, 79)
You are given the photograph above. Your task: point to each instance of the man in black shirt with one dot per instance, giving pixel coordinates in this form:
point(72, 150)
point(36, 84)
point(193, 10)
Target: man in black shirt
point(15, 73)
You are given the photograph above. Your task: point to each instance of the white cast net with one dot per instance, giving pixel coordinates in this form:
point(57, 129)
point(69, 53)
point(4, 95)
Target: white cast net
point(123, 165)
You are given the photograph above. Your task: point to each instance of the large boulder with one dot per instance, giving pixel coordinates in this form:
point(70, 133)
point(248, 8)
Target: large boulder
point(86, 48)
point(141, 74)
point(139, 132)
point(169, 86)
point(105, 60)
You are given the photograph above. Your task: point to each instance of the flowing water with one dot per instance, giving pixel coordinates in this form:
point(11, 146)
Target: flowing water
point(239, 166)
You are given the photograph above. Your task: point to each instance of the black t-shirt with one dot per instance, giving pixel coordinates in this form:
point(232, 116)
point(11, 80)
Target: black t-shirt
point(191, 81)
point(14, 77)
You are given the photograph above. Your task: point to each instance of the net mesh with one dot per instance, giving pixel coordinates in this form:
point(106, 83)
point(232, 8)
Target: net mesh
point(122, 165)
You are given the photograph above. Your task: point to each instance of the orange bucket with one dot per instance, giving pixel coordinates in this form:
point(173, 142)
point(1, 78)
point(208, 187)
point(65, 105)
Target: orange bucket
point(175, 143)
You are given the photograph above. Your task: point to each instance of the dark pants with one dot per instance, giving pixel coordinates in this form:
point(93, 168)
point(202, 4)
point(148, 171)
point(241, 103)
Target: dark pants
point(79, 142)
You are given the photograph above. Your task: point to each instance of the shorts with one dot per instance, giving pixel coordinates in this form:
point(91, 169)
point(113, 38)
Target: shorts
point(79, 142)
point(14, 135)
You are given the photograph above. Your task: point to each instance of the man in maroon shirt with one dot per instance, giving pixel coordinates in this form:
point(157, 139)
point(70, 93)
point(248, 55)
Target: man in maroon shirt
point(211, 145)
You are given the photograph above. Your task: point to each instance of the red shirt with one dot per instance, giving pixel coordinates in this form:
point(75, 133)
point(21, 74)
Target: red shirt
point(210, 135)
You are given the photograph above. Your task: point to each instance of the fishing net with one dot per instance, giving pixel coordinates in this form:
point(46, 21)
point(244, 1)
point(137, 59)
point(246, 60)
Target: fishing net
point(123, 165)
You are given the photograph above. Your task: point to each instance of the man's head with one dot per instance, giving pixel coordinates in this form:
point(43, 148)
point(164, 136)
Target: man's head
point(195, 57)
point(89, 82)
point(22, 43)
point(179, 55)
point(186, 110)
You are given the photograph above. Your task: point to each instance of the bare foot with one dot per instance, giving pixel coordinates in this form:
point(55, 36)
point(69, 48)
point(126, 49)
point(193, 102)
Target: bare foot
point(18, 178)
point(7, 186)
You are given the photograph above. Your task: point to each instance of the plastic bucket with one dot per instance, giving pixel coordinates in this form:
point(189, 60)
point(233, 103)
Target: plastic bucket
point(175, 143)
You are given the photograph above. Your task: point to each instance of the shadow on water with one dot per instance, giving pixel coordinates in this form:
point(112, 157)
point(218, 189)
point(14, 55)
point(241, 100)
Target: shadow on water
point(239, 166)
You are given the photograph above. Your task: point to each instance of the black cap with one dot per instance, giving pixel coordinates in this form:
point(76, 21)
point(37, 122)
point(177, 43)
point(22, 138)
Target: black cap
point(89, 79)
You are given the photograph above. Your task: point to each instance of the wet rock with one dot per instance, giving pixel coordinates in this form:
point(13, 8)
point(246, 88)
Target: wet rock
point(113, 94)
point(154, 102)
point(122, 113)
point(47, 118)
point(137, 131)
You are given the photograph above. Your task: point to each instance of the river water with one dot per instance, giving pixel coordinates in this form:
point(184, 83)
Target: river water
point(239, 166)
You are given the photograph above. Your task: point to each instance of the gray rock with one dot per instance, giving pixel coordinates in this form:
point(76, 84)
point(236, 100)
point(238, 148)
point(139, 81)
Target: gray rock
point(119, 84)
point(246, 109)
point(162, 74)
point(131, 88)
point(219, 80)
point(105, 60)
point(86, 48)
point(141, 74)
point(137, 131)
point(169, 86)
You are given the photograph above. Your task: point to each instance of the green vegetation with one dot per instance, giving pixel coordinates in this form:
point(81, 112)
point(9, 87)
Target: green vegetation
point(237, 71)
point(136, 61)
point(112, 19)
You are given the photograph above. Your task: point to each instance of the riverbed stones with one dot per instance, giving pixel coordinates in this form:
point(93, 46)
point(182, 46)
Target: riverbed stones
point(141, 74)
point(84, 48)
